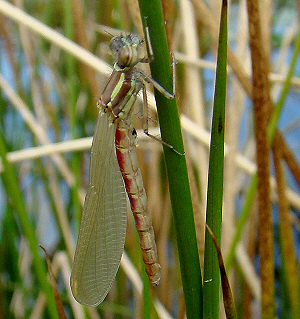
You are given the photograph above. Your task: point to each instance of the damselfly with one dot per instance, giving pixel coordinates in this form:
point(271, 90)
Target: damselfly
point(114, 164)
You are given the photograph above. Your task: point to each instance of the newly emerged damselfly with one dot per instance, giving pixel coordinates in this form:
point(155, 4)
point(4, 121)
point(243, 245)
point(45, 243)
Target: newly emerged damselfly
point(114, 170)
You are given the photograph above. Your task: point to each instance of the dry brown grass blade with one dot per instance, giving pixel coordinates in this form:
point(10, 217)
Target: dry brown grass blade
point(192, 105)
point(262, 104)
point(287, 237)
point(266, 11)
point(226, 290)
point(234, 113)
point(169, 13)
point(87, 73)
point(199, 213)
point(289, 158)
point(58, 300)
point(206, 18)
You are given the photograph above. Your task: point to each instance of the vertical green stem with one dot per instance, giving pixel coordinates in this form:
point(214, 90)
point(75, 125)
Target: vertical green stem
point(152, 17)
point(211, 289)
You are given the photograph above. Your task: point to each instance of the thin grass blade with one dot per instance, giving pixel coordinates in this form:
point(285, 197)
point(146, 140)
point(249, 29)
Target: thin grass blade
point(211, 289)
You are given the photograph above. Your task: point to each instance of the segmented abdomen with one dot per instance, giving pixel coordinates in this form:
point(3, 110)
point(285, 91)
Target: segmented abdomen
point(126, 154)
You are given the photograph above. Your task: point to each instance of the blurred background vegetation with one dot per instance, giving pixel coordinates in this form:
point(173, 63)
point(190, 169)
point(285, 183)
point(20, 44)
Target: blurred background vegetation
point(49, 89)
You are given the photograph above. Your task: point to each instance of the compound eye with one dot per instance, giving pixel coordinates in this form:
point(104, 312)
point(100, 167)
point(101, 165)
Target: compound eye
point(115, 44)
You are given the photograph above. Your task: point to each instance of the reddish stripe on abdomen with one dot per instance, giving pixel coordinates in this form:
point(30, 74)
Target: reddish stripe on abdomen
point(125, 141)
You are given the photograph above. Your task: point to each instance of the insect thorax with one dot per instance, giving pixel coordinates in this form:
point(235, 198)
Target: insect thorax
point(120, 93)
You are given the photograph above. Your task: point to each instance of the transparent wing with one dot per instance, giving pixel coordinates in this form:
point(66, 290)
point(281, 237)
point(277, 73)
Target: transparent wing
point(103, 226)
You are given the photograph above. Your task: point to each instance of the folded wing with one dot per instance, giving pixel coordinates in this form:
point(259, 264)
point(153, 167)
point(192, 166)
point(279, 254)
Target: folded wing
point(103, 226)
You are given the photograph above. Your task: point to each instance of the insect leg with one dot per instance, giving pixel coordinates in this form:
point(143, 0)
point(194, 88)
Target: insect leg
point(146, 125)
